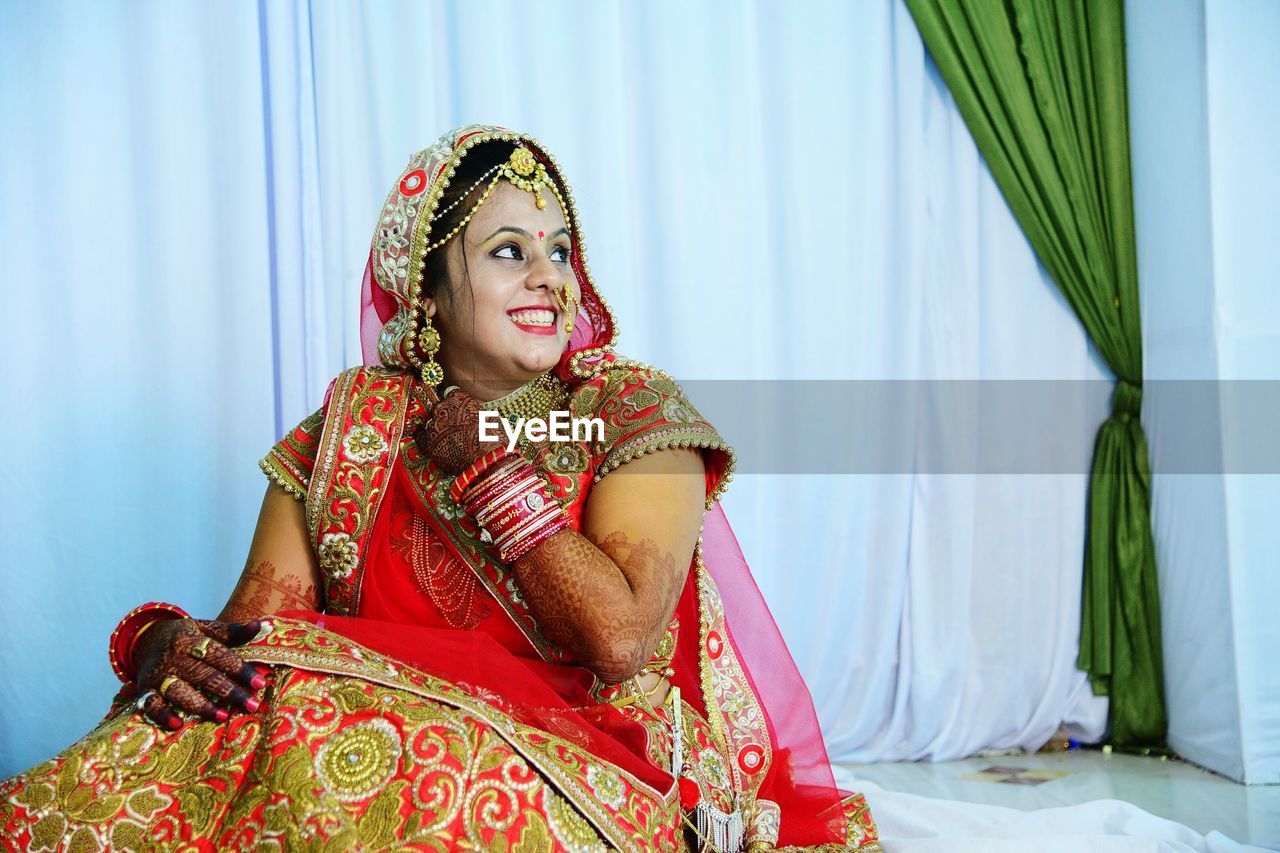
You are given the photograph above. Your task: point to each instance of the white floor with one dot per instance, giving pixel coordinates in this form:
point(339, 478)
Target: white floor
point(1172, 789)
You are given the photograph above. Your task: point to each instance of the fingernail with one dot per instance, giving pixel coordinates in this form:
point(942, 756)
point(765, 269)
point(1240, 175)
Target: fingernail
point(221, 715)
point(175, 723)
point(258, 682)
point(253, 704)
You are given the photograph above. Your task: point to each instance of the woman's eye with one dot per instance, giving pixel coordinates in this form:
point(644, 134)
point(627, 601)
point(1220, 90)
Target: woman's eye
point(560, 254)
point(508, 252)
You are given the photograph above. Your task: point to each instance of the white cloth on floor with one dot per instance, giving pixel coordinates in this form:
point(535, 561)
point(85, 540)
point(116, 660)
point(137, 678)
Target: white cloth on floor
point(913, 824)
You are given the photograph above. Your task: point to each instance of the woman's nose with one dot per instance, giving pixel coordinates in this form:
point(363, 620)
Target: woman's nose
point(542, 274)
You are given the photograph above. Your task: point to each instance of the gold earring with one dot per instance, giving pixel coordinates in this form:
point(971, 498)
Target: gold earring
point(569, 304)
point(429, 344)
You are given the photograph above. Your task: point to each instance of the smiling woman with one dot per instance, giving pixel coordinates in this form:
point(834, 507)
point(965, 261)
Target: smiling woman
point(442, 641)
point(498, 290)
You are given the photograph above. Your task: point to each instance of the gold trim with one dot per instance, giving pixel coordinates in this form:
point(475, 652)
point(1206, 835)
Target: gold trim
point(475, 558)
point(275, 472)
point(624, 453)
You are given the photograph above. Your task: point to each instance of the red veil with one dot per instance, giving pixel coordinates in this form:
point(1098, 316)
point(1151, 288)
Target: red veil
point(799, 779)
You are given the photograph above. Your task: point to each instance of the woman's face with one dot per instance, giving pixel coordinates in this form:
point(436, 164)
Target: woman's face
point(512, 258)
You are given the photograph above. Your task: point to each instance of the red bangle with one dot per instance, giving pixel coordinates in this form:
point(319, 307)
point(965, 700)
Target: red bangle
point(125, 636)
point(499, 476)
point(474, 470)
point(524, 546)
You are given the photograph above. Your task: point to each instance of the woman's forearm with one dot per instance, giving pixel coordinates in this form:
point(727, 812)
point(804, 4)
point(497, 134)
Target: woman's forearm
point(606, 602)
point(264, 589)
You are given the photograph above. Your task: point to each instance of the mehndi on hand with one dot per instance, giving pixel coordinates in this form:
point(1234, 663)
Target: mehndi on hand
point(452, 439)
point(187, 665)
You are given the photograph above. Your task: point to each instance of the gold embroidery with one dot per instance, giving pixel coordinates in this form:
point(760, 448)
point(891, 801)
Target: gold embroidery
point(384, 757)
point(357, 451)
point(358, 762)
point(290, 461)
point(644, 411)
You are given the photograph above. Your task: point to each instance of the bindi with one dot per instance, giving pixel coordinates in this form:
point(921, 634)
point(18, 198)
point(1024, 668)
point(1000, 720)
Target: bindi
point(540, 235)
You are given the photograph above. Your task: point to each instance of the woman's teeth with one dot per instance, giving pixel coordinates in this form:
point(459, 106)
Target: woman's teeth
point(533, 317)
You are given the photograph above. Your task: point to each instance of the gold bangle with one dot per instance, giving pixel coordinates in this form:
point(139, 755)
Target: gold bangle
point(145, 628)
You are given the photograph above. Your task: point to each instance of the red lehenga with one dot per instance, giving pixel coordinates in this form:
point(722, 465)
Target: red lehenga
point(424, 709)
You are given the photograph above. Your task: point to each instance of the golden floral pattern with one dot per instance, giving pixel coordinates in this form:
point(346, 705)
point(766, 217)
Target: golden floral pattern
point(738, 721)
point(348, 752)
point(355, 454)
point(363, 443)
point(338, 555)
point(644, 411)
point(568, 459)
point(290, 461)
point(606, 785)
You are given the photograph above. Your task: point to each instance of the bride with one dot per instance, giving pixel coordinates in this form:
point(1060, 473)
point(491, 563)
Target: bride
point(443, 642)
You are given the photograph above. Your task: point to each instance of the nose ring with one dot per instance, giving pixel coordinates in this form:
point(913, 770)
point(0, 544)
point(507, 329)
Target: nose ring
point(569, 304)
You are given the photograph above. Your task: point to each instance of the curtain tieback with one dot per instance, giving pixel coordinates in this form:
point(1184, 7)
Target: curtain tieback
point(1126, 400)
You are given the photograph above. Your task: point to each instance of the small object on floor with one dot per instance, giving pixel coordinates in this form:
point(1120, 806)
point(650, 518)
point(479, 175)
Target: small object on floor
point(1015, 775)
point(1060, 742)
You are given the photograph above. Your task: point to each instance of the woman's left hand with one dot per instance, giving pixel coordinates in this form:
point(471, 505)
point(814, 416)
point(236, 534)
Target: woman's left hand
point(452, 439)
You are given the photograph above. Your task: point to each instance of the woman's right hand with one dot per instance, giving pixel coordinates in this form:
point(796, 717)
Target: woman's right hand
point(206, 674)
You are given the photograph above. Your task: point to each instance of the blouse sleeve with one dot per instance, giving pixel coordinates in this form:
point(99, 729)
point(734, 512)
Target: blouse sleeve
point(645, 411)
point(290, 462)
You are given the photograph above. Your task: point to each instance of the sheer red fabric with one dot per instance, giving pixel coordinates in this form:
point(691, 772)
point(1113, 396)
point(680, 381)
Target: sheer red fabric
point(800, 779)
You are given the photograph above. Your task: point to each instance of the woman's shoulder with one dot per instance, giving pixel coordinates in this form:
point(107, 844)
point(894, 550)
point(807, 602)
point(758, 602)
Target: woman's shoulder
point(291, 461)
point(644, 410)
point(614, 385)
point(619, 370)
point(384, 379)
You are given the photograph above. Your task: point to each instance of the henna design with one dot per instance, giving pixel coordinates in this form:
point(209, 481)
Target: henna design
point(158, 711)
point(165, 650)
point(265, 589)
point(606, 601)
point(452, 439)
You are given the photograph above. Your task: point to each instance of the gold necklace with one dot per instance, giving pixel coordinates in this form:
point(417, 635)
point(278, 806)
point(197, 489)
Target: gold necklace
point(537, 398)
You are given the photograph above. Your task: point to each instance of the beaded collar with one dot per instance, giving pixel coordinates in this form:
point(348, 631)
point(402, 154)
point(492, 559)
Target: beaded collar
point(537, 398)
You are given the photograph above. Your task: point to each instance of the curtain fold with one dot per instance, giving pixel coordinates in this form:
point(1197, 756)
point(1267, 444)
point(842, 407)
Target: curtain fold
point(1041, 86)
point(785, 194)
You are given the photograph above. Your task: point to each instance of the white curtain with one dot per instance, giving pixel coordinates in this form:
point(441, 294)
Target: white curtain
point(767, 193)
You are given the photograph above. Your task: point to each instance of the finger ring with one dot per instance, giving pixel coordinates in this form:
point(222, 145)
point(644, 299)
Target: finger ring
point(142, 700)
point(201, 649)
point(167, 683)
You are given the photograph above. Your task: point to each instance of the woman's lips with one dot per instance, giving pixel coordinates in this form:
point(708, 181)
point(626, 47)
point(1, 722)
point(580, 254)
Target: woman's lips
point(535, 321)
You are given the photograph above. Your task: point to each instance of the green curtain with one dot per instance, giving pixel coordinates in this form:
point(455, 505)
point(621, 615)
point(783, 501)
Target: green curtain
point(1041, 85)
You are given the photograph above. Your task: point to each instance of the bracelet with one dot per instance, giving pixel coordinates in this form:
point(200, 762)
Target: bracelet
point(524, 546)
point(500, 478)
point(514, 507)
point(124, 639)
point(490, 502)
point(475, 470)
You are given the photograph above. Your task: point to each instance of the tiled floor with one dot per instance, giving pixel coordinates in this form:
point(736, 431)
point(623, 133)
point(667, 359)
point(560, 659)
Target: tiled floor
point(1172, 789)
